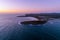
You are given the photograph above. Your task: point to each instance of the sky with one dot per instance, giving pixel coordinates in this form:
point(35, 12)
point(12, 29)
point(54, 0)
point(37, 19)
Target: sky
point(29, 6)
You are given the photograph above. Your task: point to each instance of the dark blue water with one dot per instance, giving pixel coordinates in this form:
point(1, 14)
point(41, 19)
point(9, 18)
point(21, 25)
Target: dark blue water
point(10, 29)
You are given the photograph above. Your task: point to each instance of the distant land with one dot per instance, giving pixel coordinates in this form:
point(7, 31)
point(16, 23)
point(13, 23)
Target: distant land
point(52, 15)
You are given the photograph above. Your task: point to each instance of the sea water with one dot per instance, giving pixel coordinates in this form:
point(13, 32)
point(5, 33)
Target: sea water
point(11, 29)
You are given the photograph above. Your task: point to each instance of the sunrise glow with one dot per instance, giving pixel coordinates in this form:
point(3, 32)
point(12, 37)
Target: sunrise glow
point(27, 6)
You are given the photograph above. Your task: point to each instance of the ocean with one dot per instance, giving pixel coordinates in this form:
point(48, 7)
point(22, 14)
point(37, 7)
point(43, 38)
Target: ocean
point(11, 29)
